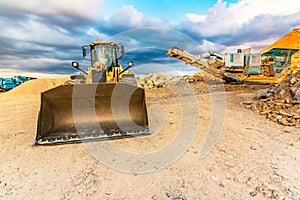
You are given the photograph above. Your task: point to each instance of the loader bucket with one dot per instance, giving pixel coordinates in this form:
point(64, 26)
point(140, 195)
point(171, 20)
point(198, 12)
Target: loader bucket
point(88, 112)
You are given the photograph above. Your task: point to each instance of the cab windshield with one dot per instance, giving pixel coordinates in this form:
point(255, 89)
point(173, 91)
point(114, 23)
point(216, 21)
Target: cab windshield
point(103, 56)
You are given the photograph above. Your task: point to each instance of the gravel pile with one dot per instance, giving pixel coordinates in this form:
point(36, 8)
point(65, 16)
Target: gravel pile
point(279, 103)
point(153, 81)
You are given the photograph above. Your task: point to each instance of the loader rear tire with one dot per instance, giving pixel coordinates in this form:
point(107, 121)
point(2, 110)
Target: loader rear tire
point(129, 79)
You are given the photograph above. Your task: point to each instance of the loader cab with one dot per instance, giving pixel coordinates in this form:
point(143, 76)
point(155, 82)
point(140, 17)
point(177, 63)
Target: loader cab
point(104, 62)
point(103, 55)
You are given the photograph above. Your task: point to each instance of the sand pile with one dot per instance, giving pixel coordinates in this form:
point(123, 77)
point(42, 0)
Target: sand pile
point(281, 102)
point(291, 41)
point(35, 87)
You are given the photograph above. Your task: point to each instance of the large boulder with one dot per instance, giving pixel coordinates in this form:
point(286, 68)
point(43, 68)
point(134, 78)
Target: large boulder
point(297, 94)
point(262, 94)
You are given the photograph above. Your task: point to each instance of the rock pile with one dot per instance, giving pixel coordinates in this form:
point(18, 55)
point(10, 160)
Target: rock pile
point(160, 80)
point(279, 103)
point(154, 81)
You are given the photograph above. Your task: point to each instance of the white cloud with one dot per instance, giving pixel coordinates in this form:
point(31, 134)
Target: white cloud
point(178, 69)
point(10, 62)
point(32, 30)
point(257, 19)
point(246, 10)
point(34, 64)
point(8, 73)
point(211, 46)
point(247, 23)
point(87, 8)
point(127, 16)
point(195, 18)
point(225, 19)
point(96, 34)
point(256, 46)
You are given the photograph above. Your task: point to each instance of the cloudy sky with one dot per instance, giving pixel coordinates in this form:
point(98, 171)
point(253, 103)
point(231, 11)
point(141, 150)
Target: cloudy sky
point(45, 36)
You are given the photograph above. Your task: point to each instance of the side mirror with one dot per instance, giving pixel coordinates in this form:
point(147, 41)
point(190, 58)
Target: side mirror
point(130, 63)
point(75, 64)
point(122, 49)
point(83, 51)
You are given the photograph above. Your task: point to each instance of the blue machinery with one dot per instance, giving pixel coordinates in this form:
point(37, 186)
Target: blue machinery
point(10, 83)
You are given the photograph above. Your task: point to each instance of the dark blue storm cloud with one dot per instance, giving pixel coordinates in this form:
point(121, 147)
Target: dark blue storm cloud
point(47, 38)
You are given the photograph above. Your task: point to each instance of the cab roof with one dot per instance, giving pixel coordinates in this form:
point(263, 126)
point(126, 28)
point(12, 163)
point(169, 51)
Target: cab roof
point(97, 42)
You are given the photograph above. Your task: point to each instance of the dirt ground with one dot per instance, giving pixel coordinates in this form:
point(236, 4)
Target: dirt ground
point(253, 158)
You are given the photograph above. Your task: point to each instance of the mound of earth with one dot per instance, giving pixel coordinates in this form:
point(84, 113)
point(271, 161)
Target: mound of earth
point(290, 41)
point(35, 87)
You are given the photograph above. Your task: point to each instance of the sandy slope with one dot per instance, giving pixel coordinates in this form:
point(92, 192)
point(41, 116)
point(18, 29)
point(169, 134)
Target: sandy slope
point(252, 156)
point(35, 87)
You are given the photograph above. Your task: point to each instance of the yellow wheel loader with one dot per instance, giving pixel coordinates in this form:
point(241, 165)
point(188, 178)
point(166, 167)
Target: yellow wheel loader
point(101, 104)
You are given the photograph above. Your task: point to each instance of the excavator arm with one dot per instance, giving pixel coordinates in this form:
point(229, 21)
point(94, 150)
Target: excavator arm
point(188, 58)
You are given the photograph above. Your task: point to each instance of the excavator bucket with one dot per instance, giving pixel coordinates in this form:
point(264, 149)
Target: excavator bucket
point(88, 112)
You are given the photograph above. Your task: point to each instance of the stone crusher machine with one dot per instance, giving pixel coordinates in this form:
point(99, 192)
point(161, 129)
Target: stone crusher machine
point(10, 83)
point(101, 104)
point(268, 67)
